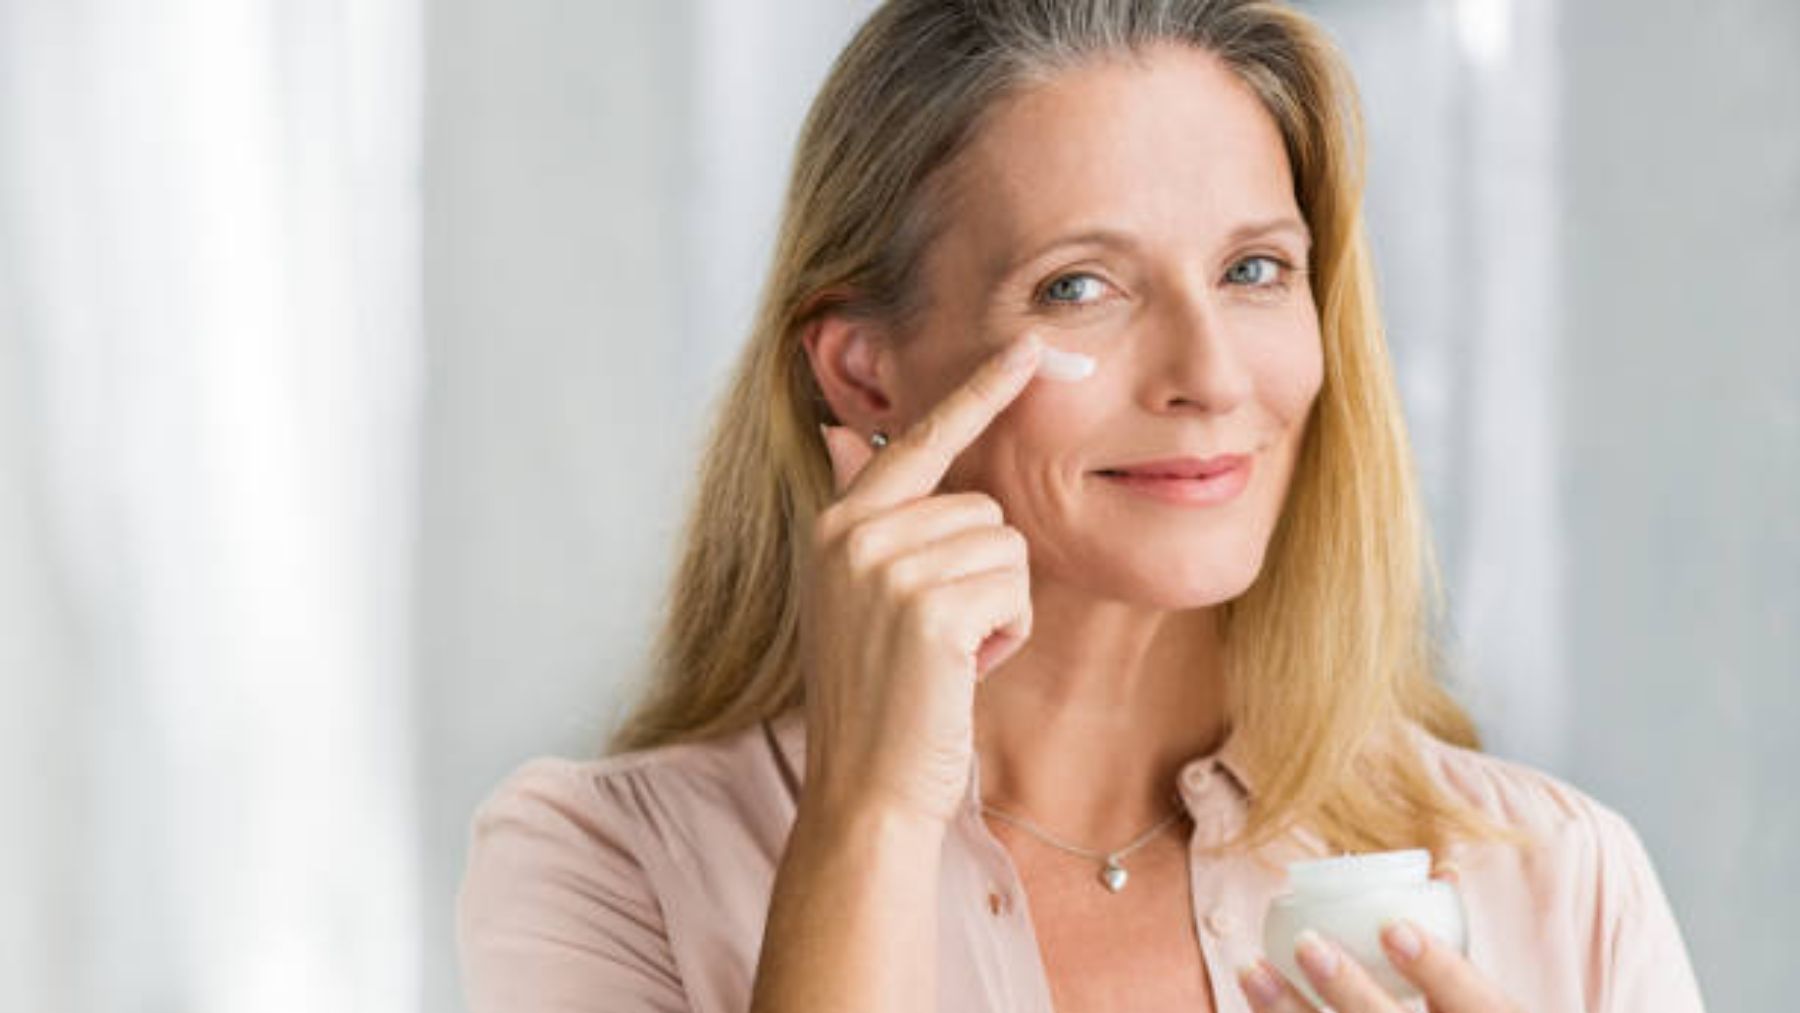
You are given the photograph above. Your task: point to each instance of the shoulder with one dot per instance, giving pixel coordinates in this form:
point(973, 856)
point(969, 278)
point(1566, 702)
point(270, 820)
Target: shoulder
point(1582, 851)
point(642, 801)
point(555, 899)
point(1583, 905)
point(1514, 793)
point(596, 878)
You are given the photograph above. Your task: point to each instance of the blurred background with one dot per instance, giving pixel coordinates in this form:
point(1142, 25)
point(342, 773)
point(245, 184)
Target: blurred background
point(353, 356)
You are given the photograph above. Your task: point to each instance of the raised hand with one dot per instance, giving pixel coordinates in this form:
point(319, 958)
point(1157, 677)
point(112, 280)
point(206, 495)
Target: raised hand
point(909, 598)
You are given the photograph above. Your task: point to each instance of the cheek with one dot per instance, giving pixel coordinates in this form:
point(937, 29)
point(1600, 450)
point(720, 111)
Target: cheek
point(1290, 371)
point(1034, 452)
point(1056, 431)
point(1054, 416)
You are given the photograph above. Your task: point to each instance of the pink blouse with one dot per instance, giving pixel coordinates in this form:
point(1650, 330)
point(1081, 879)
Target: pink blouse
point(640, 882)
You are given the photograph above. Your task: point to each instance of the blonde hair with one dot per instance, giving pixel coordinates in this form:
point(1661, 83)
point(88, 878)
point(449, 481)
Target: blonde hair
point(1326, 655)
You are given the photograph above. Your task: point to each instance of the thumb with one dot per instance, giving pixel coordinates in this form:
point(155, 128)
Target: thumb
point(848, 454)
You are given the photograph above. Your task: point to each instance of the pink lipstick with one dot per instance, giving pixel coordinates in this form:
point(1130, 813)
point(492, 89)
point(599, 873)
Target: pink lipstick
point(1187, 481)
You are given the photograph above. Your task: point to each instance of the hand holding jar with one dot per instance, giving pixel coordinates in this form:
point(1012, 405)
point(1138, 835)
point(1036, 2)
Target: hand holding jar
point(1361, 934)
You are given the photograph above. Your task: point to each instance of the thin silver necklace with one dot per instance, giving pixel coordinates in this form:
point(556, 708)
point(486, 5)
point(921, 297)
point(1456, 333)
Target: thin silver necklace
point(1112, 873)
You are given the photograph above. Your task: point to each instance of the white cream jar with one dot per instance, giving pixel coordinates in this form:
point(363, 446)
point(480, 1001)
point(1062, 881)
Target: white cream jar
point(1348, 899)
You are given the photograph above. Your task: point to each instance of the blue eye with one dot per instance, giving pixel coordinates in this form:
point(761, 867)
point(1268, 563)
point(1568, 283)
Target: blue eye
point(1269, 277)
point(1068, 289)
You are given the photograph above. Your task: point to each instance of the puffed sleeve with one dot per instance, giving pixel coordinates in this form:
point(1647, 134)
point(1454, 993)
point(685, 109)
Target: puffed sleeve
point(555, 913)
point(1645, 966)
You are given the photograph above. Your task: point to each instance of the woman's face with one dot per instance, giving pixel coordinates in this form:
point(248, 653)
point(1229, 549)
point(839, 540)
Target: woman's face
point(1142, 214)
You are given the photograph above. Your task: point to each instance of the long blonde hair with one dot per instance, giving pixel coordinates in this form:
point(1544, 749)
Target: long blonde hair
point(1332, 648)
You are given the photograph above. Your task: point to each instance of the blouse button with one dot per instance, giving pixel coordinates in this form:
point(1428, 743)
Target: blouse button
point(1196, 778)
point(1220, 922)
point(998, 902)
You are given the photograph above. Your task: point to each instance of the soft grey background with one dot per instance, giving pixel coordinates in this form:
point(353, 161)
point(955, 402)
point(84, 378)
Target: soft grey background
point(353, 355)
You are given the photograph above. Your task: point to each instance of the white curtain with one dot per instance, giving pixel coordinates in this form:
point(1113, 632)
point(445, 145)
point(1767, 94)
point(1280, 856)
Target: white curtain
point(209, 334)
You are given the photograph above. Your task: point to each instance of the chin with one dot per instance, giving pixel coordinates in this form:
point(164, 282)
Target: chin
point(1182, 580)
point(1216, 590)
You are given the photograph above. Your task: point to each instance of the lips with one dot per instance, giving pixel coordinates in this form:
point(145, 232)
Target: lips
point(1179, 467)
point(1189, 482)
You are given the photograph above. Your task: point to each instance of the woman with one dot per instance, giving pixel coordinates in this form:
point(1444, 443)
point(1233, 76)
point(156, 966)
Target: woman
point(958, 705)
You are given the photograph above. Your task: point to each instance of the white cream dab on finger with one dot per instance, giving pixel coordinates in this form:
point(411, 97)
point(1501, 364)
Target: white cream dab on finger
point(1055, 364)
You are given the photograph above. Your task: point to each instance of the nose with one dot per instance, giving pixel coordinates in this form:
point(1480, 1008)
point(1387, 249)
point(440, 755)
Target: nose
point(1194, 357)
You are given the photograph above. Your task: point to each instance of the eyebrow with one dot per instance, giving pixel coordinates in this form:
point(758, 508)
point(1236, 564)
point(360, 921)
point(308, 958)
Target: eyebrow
point(1104, 236)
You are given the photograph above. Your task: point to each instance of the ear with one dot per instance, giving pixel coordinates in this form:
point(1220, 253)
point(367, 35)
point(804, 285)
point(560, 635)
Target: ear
point(851, 360)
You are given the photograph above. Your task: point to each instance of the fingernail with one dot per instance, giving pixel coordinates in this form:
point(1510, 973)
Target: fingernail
point(1259, 984)
point(1060, 365)
point(1315, 954)
point(1021, 352)
point(1403, 939)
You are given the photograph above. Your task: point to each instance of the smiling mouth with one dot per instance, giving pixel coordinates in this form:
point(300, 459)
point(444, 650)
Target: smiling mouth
point(1191, 468)
point(1186, 482)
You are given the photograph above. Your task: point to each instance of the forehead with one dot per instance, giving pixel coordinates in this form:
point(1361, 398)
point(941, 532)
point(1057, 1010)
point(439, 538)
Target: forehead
point(1171, 145)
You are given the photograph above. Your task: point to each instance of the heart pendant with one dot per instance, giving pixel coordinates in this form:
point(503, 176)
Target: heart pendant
point(1114, 877)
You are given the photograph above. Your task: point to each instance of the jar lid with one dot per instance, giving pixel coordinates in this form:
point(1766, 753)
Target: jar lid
point(1346, 874)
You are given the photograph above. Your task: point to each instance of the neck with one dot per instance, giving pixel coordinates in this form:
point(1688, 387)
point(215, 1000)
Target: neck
point(1085, 730)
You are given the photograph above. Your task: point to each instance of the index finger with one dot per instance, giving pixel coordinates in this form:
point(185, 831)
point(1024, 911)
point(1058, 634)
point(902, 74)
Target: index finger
point(916, 461)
